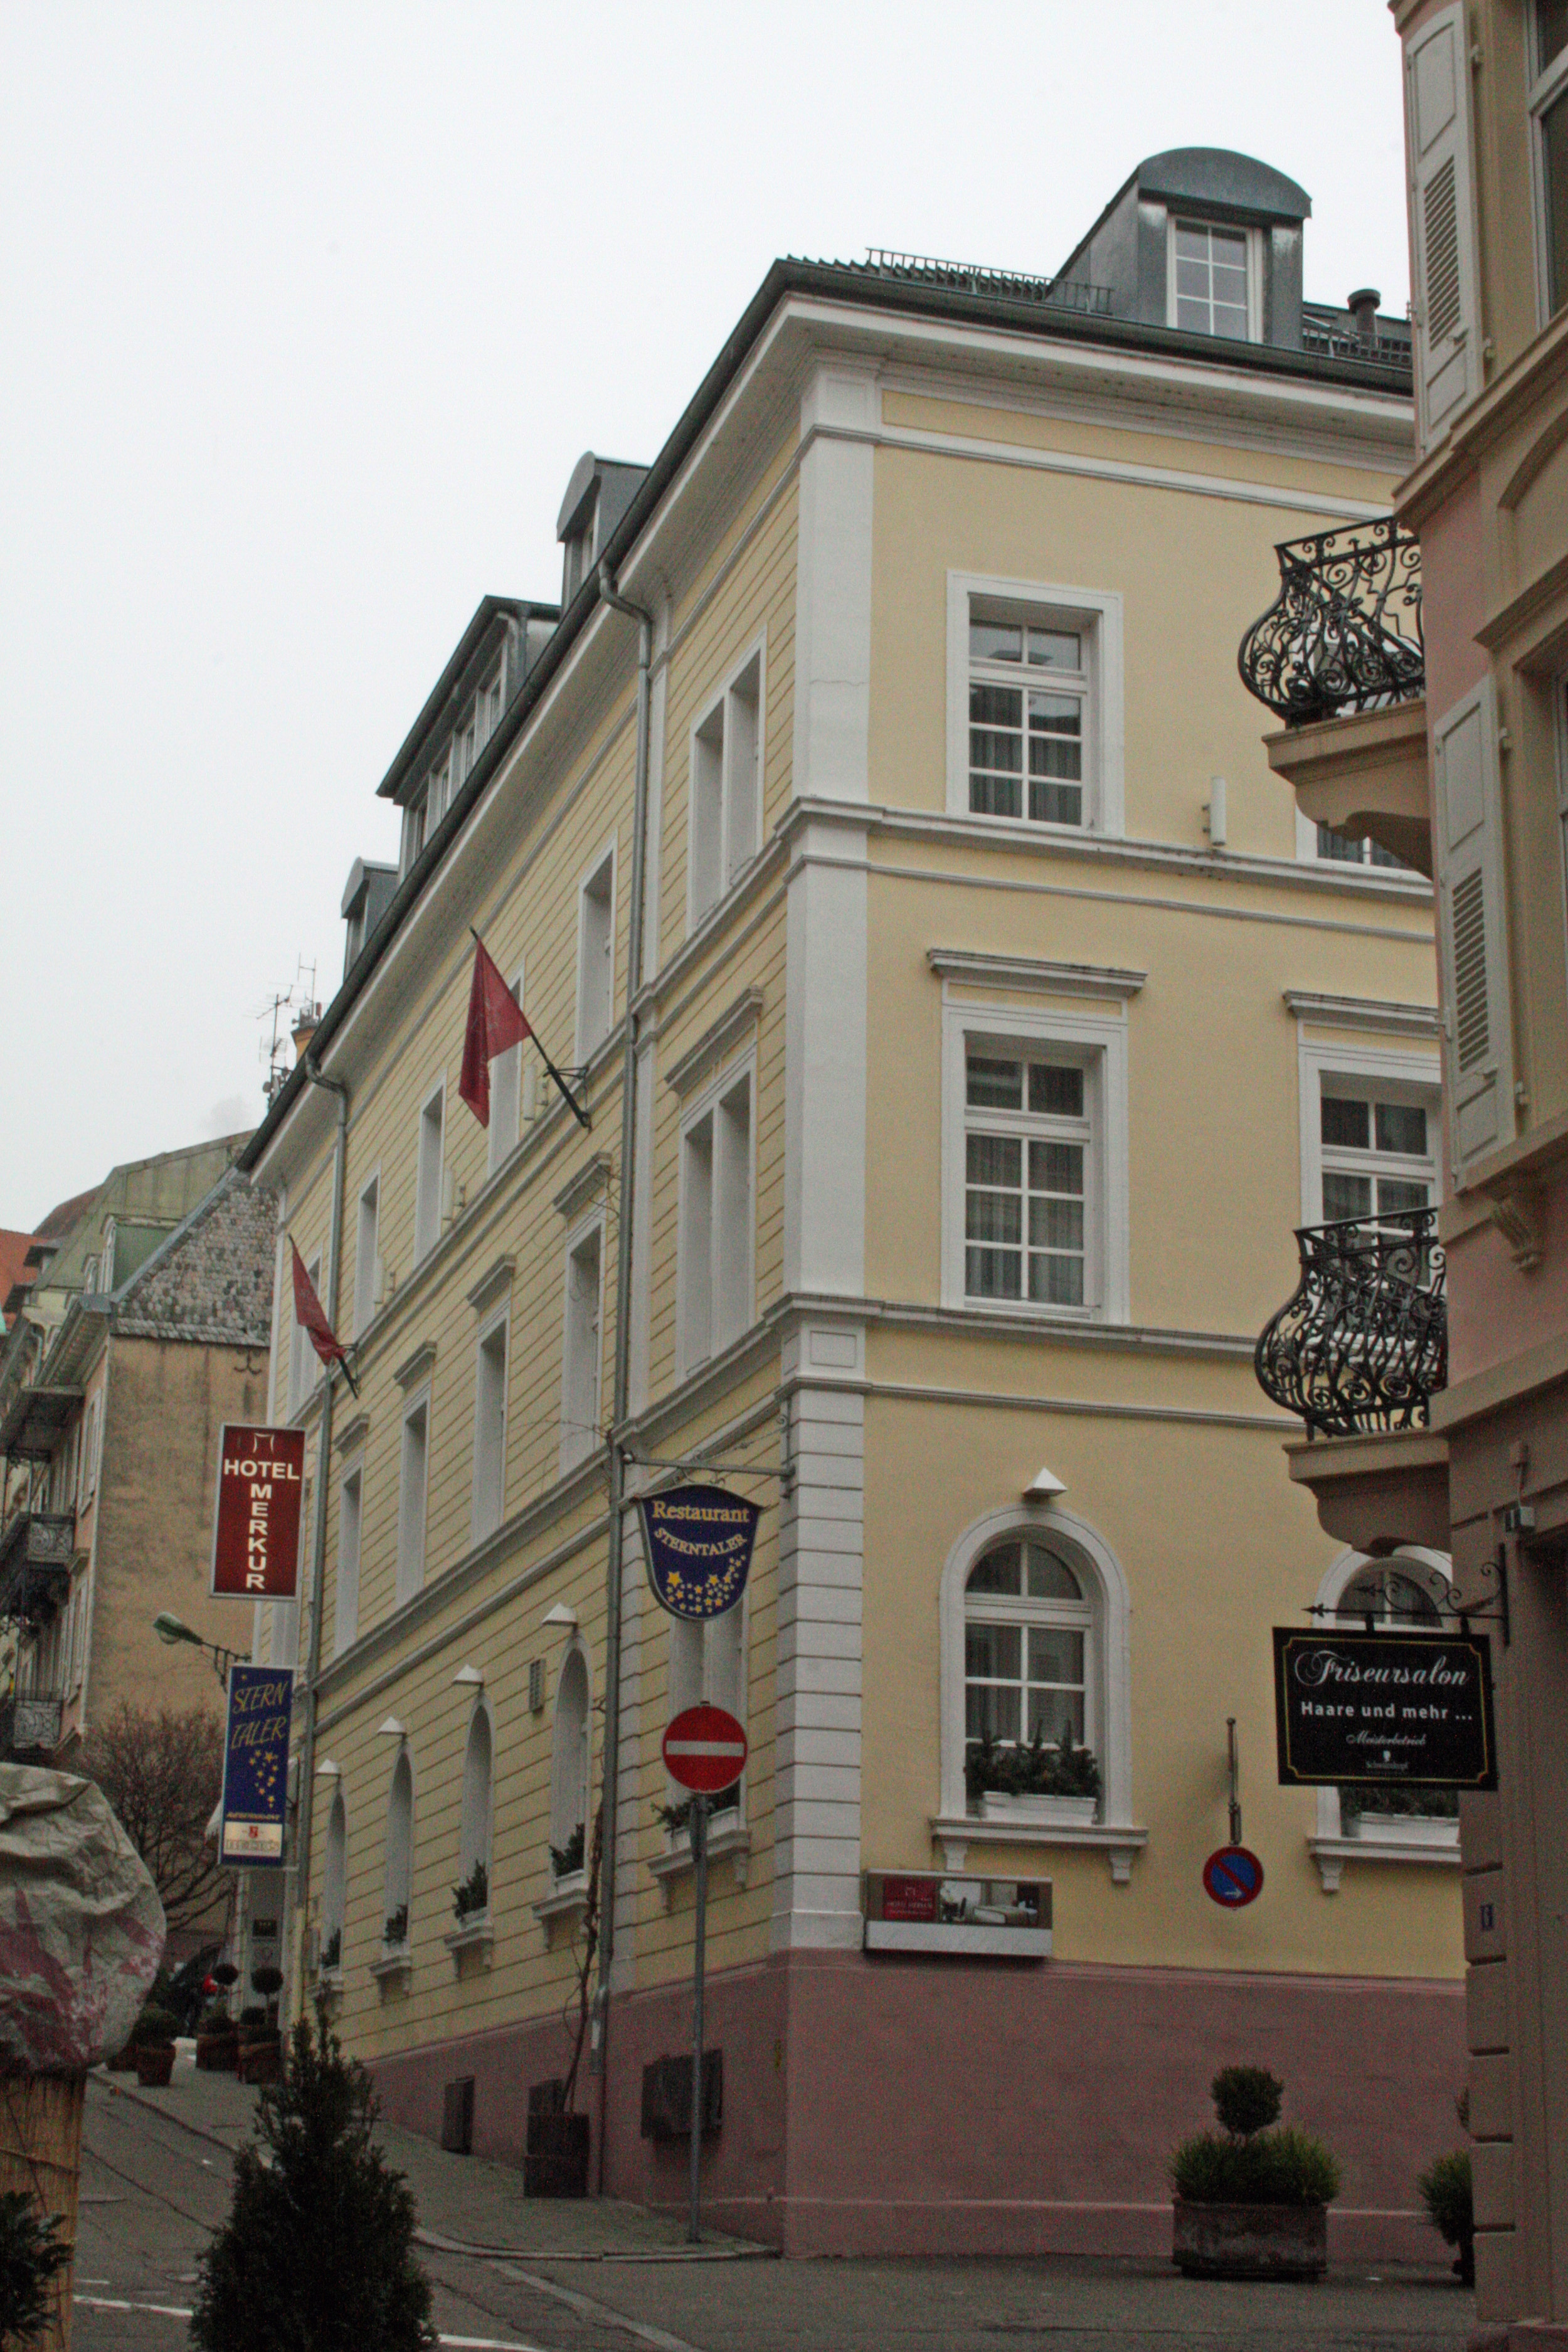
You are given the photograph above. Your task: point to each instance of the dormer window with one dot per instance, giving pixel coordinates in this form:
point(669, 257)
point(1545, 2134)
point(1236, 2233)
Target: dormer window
point(415, 820)
point(1214, 280)
point(580, 548)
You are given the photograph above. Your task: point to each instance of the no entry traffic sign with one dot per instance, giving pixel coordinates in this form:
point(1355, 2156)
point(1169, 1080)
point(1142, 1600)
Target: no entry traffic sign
point(705, 1750)
point(1233, 1878)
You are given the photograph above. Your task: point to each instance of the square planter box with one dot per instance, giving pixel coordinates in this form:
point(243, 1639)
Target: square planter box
point(216, 2053)
point(1404, 1829)
point(154, 2064)
point(1038, 1812)
point(1250, 2241)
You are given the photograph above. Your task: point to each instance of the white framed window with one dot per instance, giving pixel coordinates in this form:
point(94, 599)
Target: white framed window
point(1036, 1629)
point(726, 812)
point(490, 705)
point(413, 1492)
point(1331, 848)
point(595, 953)
point(570, 1766)
point(350, 1521)
point(717, 1219)
point(334, 1884)
point(1215, 279)
point(1407, 1592)
point(1548, 69)
point(1371, 1120)
point(474, 1848)
point(416, 818)
point(438, 790)
point(506, 1094)
point(490, 1425)
point(398, 1883)
point(1033, 704)
point(1035, 1212)
point(581, 1346)
point(429, 1171)
point(367, 1254)
point(304, 1364)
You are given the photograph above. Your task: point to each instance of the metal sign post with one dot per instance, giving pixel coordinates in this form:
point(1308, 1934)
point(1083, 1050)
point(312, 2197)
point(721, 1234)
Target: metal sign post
point(700, 1863)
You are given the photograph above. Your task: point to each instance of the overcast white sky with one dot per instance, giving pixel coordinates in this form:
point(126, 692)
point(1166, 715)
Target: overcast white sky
point(308, 312)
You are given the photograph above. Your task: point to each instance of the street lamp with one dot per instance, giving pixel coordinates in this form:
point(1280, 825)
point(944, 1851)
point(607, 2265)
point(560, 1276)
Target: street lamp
point(172, 1630)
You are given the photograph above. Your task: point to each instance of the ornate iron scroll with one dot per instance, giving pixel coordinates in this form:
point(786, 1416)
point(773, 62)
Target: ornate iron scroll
point(1363, 1343)
point(1344, 632)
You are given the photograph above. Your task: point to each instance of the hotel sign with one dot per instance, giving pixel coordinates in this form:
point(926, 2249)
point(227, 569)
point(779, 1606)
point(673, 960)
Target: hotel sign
point(256, 1526)
point(255, 1764)
point(1367, 1709)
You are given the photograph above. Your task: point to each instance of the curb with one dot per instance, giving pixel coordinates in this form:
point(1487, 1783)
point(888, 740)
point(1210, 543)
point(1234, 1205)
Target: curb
point(474, 2252)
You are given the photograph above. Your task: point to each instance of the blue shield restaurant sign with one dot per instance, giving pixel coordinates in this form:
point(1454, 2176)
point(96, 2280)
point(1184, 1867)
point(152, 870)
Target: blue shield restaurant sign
point(699, 1541)
point(255, 1764)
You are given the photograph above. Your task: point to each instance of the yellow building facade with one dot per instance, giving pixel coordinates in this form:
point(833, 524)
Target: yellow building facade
point(990, 994)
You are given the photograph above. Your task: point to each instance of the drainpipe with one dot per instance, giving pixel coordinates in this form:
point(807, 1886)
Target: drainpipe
point(620, 1406)
point(318, 1548)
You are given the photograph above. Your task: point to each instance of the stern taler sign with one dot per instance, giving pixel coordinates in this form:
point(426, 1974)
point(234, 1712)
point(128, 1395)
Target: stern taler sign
point(255, 1528)
point(1368, 1709)
point(255, 1764)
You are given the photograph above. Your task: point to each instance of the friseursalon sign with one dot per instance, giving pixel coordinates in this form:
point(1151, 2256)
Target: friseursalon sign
point(699, 1541)
point(1370, 1709)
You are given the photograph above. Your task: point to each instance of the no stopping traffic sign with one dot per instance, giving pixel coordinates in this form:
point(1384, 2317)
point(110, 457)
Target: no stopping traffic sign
point(705, 1750)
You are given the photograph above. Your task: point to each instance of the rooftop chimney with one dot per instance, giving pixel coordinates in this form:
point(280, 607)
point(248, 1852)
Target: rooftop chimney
point(304, 1029)
point(1362, 306)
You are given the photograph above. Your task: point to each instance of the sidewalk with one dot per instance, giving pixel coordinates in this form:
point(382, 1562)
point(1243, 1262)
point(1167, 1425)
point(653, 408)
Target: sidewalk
point(468, 2204)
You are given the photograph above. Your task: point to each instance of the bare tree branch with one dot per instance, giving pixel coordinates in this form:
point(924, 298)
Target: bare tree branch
point(162, 1774)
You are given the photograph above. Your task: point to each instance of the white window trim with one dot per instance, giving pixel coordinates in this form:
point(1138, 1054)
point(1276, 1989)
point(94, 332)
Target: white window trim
point(1254, 237)
point(364, 1309)
point(1361, 1064)
point(756, 651)
point(1100, 1034)
point(574, 1452)
point(572, 1881)
point(1545, 89)
point(405, 1756)
point(1105, 1587)
point(1329, 1847)
point(1098, 612)
point(436, 1093)
point(693, 1110)
point(607, 850)
point(481, 1706)
point(345, 1631)
point(498, 1319)
point(405, 1589)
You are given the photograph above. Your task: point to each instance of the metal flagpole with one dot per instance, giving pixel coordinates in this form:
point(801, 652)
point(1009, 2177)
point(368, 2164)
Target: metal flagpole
point(699, 1861)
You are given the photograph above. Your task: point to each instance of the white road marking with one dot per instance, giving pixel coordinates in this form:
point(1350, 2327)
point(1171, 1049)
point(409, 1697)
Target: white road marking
point(182, 2311)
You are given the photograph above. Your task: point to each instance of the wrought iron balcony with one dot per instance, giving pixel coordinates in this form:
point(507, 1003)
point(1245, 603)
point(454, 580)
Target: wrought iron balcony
point(29, 1725)
point(36, 1549)
point(1344, 632)
point(1363, 1343)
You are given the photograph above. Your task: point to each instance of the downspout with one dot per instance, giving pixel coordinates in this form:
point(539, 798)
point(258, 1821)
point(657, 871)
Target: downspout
point(318, 1551)
point(620, 1405)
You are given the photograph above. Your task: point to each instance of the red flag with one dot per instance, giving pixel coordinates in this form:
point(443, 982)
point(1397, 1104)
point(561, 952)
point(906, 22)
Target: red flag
point(495, 1024)
point(311, 1315)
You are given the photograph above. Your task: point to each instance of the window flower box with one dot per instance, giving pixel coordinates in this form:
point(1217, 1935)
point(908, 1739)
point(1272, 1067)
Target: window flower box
point(1404, 1829)
point(1041, 1811)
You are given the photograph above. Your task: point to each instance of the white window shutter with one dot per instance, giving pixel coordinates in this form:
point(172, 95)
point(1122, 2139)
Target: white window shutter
point(1474, 929)
point(1446, 296)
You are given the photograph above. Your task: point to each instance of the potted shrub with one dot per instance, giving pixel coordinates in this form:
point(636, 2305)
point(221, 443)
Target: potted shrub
point(153, 2044)
point(333, 1952)
point(1251, 2198)
point(260, 2055)
point(395, 1931)
point(1448, 2191)
point(566, 1860)
point(1038, 1780)
point(217, 2041)
point(472, 1899)
point(33, 2253)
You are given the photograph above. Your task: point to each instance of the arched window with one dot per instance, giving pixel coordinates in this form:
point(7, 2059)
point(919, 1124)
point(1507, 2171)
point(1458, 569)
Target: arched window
point(569, 1768)
point(399, 1852)
point(476, 1846)
point(1406, 1594)
point(334, 1886)
point(1036, 1640)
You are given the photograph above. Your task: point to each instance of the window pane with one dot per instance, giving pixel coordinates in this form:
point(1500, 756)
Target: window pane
point(991, 1712)
point(1051, 1579)
point(1056, 1281)
point(1055, 1656)
point(1390, 1595)
point(993, 1217)
point(993, 1273)
point(990, 749)
point(994, 1159)
point(994, 1084)
point(1338, 845)
point(1229, 249)
point(1000, 1571)
point(994, 1652)
point(1191, 242)
point(995, 796)
point(1554, 165)
point(996, 706)
point(1550, 31)
point(1055, 1224)
point(1230, 319)
point(1346, 1196)
point(1347, 1124)
point(1053, 650)
point(1054, 803)
point(1401, 1126)
point(1396, 1194)
point(1193, 314)
point(1055, 1090)
point(1050, 1710)
point(1055, 1168)
point(996, 640)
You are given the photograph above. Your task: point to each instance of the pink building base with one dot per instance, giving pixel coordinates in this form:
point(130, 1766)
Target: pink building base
point(917, 2107)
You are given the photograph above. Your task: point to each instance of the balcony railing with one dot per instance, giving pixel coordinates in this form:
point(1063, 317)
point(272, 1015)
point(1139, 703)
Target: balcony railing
point(29, 1725)
point(1363, 1343)
point(1344, 632)
point(36, 1549)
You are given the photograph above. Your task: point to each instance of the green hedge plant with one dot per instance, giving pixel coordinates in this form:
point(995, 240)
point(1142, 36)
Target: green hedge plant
point(32, 2254)
point(1035, 1767)
point(1254, 2160)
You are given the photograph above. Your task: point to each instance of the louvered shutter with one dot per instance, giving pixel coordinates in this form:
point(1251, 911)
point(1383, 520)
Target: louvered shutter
point(1445, 294)
point(1473, 929)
